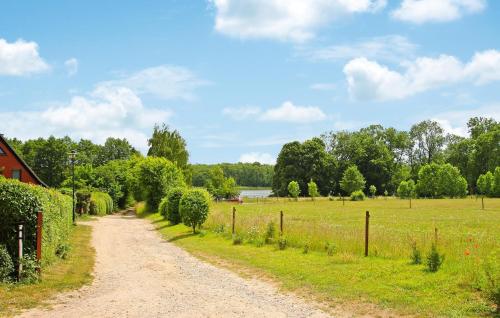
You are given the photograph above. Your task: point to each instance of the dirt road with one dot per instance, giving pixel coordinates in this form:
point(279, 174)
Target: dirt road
point(137, 274)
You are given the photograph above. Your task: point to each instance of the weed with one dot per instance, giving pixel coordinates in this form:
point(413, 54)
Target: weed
point(330, 249)
point(219, 229)
point(282, 243)
point(237, 240)
point(270, 232)
point(416, 255)
point(63, 250)
point(305, 250)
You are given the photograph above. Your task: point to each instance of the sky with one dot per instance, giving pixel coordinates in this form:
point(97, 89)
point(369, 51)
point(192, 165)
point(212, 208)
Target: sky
point(239, 78)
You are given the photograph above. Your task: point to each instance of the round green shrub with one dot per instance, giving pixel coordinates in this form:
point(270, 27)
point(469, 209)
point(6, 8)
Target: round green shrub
point(357, 196)
point(174, 196)
point(6, 264)
point(194, 207)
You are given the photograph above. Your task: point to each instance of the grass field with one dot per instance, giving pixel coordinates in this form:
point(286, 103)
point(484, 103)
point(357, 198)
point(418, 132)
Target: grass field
point(467, 236)
point(63, 275)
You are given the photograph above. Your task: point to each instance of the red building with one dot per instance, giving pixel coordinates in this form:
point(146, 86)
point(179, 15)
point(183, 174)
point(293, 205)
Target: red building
point(12, 166)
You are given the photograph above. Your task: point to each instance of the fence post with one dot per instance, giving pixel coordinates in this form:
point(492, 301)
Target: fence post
point(367, 226)
point(39, 224)
point(234, 217)
point(20, 251)
point(281, 223)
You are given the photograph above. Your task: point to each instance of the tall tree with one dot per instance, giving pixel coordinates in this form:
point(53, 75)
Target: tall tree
point(428, 140)
point(168, 144)
point(115, 149)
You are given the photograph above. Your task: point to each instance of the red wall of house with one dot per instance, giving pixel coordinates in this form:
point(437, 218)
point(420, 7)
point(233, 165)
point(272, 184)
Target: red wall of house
point(9, 162)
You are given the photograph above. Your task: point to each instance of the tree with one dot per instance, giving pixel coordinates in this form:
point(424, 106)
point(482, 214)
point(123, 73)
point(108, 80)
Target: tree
point(428, 139)
point(485, 184)
point(352, 180)
point(168, 144)
point(373, 190)
point(194, 207)
point(219, 186)
point(428, 181)
point(406, 189)
point(496, 182)
point(115, 149)
point(49, 158)
point(156, 176)
point(480, 125)
point(294, 189)
point(450, 182)
point(312, 189)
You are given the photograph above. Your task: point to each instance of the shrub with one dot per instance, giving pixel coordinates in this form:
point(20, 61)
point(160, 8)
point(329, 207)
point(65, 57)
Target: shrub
point(352, 180)
point(63, 250)
point(6, 265)
point(156, 176)
point(357, 196)
point(434, 259)
point(312, 189)
point(294, 189)
point(162, 208)
point(29, 274)
point(373, 190)
point(100, 203)
point(416, 256)
point(270, 232)
point(194, 207)
point(237, 239)
point(174, 196)
point(282, 243)
point(19, 202)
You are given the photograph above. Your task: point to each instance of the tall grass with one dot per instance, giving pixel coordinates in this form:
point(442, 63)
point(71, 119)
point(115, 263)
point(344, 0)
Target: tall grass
point(464, 230)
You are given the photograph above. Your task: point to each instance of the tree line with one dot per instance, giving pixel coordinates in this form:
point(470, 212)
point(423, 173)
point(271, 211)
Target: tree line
point(385, 157)
point(244, 174)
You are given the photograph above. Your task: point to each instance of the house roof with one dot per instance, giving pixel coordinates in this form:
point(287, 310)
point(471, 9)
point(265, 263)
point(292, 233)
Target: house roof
point(33, 174)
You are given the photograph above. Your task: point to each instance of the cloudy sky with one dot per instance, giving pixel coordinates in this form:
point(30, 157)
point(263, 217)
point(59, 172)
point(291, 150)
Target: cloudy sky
point(238, 78)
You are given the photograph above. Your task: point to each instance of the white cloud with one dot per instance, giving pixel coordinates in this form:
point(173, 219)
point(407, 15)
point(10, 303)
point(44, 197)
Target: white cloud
point(164, 81)
point(252, 157)
point(323, 86)
point(241, 112)
point(71, 66)
point(290, 20)
point(289, 112)
point(369, 80)
point(455, 122)
point(105, 112)
point(20, 58)
point(422, 11)
point(390, 47)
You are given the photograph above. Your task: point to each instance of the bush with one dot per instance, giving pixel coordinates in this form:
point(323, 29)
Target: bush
point(282, 243)
point(162, 208)
point(357, 196)
point(6, 265)
point(237, 240)
point(156, 176)
point(101, 203)
point(270, 232)
point(373, 190)
point(174, 196)
point(194, 207)
point(29, 275)
point(434, 259)
point(294, 189)
point(441, 180)
point(20, 202)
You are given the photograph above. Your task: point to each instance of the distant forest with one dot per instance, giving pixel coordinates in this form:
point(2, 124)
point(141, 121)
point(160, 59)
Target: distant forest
point(245, 174)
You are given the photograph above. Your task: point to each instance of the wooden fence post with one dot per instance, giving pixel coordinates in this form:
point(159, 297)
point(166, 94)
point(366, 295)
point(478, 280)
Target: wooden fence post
point(234, 219)
point(281, 223)
point(20, 251)
point(367, 226)
point(39, 224)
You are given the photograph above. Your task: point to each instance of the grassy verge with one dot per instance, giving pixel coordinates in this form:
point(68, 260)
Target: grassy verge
point(386, 279)
point(63, 275)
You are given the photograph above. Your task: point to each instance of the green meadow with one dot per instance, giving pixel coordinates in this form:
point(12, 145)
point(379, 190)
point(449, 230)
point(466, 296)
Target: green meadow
point(324, 255)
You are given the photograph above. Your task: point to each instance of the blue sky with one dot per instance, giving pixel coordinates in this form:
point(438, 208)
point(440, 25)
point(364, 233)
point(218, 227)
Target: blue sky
point(238, 78)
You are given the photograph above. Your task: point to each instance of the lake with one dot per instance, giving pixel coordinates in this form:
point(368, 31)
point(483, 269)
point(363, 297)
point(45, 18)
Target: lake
point(255, 193)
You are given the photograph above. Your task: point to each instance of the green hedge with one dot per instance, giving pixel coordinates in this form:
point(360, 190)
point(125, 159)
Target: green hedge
point(101, 203)
point(19, 202)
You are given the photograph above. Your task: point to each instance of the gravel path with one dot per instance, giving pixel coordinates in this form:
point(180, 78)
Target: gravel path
point(137, 274)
